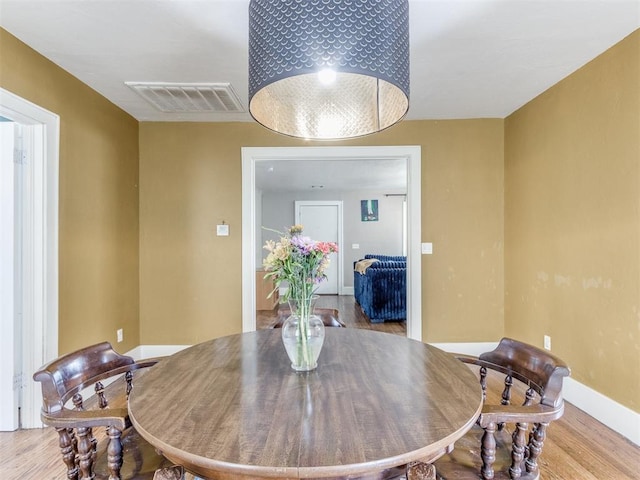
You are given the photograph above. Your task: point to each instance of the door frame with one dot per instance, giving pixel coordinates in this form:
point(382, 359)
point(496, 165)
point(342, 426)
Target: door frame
point(340, 255)
point(40, 320)
point(411, 154)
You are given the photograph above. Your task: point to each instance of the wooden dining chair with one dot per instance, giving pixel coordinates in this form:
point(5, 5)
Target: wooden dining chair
point(511, 429)
point(105, 377)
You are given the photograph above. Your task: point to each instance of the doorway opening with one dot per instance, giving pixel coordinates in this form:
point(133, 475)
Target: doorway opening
point(253, 156)
point(29, 249)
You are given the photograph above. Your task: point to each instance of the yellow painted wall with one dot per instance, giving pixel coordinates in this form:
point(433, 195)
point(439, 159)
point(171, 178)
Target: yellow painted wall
point(98, 238)
point(191, 179)
point(572, 222)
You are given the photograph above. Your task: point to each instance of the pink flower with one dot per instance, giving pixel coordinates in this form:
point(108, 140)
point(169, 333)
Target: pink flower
point(326, 247)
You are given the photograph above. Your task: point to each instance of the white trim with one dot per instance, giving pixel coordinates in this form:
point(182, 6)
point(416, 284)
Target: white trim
point(614, 415)
point(412, 155)
point(248, 241)
point(40, 332)
point(617, 417)
point(414, 239)
point(152, 351)
point(475, 348)
point(347, 290)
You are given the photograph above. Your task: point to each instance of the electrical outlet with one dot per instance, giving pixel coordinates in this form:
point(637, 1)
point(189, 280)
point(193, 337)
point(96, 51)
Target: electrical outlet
point(119, 335)
point(547, 342)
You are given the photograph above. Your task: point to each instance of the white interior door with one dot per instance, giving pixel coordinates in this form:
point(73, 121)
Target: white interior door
point(9, 394)
point(322, 221)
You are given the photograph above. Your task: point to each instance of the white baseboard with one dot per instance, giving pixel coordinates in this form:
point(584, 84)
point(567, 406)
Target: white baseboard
point(151, 351)
point(614, 415)
point(347, 291)
point(466, 348)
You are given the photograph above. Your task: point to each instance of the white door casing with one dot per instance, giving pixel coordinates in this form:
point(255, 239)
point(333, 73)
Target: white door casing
point(411, 154)
point(39, 250)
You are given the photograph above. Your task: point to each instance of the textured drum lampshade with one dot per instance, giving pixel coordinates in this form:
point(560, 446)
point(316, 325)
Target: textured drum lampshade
point(328, 69)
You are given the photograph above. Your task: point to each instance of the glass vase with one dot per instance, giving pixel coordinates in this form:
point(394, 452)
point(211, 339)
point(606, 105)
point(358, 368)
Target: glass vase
point(303, 334)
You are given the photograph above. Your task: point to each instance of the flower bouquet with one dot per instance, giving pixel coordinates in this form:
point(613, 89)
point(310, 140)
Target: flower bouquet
point(301, 263)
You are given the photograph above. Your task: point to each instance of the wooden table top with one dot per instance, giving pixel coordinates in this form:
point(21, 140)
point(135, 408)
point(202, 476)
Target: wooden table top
point(233, 407)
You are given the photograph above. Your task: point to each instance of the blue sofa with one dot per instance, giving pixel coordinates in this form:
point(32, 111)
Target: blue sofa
point(381, 290)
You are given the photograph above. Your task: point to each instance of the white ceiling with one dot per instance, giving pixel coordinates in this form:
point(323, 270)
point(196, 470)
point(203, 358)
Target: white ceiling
point(385, 175)
point(469, 58)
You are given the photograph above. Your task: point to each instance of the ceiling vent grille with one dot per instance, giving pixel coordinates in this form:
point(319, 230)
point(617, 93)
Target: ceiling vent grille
point(189, 97)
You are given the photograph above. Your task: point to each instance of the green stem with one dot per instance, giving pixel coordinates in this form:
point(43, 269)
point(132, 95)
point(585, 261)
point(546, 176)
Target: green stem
point(303, 312)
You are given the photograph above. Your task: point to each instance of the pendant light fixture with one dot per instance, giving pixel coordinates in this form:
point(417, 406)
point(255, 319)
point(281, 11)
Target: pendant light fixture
point(328, 69)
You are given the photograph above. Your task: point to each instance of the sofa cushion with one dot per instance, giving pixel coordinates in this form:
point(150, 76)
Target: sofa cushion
point(387, 258)
point(380, 288)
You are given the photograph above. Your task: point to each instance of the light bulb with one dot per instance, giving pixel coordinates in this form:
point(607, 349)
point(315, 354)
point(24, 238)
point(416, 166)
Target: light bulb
point(327, 76)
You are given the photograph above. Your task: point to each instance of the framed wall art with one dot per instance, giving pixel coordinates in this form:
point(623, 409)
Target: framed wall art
point(369, 210)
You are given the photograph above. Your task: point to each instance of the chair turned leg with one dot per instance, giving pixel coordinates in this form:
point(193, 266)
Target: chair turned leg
point(517, 451)
point(421, 471)
point(68, 448)
point(488, 451)
point(114, 453)
point(536, 442)
point(85, 454)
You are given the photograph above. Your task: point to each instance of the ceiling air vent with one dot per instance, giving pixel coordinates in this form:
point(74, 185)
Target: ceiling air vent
point(189, 97)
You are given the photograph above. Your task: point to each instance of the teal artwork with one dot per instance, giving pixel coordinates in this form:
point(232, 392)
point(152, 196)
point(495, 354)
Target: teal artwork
point(369, 210)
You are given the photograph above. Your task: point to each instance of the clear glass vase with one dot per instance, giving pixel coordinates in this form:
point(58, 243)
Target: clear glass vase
point(303, 334)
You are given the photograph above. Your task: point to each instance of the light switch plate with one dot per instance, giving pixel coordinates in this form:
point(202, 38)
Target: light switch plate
point(222, 230)
point(427, 248)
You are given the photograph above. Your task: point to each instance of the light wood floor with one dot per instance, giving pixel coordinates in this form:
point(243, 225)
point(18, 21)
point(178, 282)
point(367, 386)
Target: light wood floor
point(578, 447)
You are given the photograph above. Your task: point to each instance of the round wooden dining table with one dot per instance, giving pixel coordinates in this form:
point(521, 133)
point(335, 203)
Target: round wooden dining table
point(233, 407)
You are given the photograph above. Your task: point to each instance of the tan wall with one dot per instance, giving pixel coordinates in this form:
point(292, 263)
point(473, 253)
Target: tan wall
point(98, 259)
point(572, 222)
point(191, 179)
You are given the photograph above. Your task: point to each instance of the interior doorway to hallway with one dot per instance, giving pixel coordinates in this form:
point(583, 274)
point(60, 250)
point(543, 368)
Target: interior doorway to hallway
point(253, 156)
point(29, 251)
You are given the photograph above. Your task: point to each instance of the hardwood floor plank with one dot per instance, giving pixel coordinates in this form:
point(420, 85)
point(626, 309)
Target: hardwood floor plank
point(31, 454)
point(588, 442)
